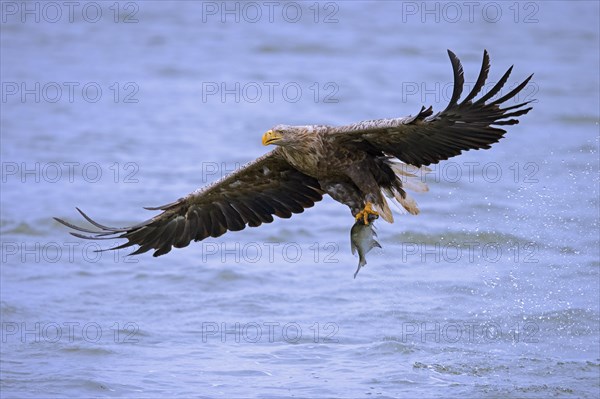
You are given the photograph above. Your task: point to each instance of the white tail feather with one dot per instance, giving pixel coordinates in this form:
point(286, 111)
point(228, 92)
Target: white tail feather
point(412, 179)
point(408, 203)
point(401, 168)
point(414, 184)
point(384, 211)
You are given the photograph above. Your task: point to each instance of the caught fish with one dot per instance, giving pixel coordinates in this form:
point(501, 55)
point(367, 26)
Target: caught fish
point(362, 239)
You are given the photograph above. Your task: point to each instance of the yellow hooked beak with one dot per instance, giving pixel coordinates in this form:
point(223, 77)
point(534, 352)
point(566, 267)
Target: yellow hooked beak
point(271, 137)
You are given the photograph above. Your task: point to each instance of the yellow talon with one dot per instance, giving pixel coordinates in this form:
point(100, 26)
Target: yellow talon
point(364, 214)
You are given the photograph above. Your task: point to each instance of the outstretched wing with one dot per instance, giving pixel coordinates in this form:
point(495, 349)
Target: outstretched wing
point(427, 138)
point(250, 196)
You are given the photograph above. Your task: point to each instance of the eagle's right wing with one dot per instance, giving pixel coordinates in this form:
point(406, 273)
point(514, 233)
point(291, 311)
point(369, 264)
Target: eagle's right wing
point(249, 196)
point(429, 138)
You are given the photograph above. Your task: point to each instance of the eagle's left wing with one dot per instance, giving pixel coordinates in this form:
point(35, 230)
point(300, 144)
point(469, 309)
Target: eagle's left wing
point(429, 138)
point(249, 196)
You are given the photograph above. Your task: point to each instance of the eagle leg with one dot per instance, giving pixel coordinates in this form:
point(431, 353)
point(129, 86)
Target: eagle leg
point(366, 213)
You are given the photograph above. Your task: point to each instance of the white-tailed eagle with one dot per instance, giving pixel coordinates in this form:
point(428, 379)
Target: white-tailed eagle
point(359, 165)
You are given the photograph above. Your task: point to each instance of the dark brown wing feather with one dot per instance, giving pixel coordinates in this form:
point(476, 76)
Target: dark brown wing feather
point(248, 197)
point(427, 138)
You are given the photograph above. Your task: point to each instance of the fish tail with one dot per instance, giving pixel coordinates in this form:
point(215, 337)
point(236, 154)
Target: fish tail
point(362, 261)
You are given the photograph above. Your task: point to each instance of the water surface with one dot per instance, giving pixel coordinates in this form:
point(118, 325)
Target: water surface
point(493, 290)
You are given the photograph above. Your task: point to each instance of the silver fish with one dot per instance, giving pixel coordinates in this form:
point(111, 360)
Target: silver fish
point(362, 240)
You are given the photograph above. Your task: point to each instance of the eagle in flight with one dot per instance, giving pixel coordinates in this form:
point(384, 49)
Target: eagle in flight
point(359, 165)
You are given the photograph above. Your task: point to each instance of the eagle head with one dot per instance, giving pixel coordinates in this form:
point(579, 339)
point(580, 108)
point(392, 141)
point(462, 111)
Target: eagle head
point(288, 136)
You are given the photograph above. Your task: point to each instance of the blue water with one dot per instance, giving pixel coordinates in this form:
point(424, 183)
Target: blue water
point(492, 291)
